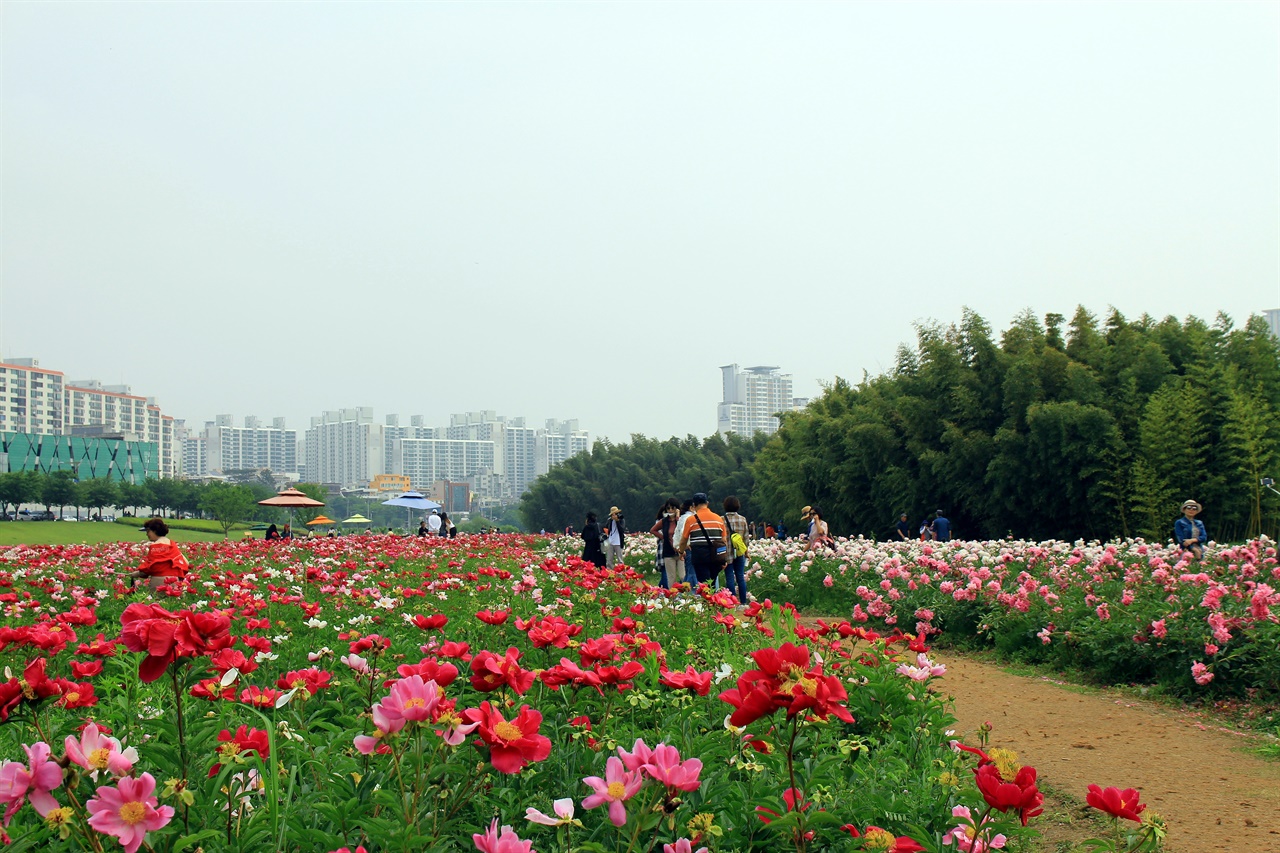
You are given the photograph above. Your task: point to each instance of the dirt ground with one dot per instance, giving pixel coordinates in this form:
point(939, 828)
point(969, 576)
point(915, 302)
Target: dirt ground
point(1214, 796)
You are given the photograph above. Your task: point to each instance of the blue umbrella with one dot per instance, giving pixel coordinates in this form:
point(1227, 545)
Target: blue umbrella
point(412, 501)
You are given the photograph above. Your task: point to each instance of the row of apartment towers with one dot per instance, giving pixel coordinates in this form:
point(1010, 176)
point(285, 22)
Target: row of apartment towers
point(497, 456)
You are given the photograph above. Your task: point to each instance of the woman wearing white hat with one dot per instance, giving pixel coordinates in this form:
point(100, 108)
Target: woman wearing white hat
point(1189, 531)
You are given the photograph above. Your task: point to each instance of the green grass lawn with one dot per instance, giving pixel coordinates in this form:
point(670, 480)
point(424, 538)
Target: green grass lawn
point(66, 533)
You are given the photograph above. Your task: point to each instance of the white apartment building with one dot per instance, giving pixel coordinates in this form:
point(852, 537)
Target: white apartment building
point(115, 409)
point(31, 398)
point(193, 462)
point(1273, 320)
point(559, 441)
point(228, 447)
point(346, 447)
point(515, 447)
point(752, 399)
point(427, 460)
point(393, 430)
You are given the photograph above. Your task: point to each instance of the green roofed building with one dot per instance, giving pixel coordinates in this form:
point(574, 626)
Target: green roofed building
point(88, 458)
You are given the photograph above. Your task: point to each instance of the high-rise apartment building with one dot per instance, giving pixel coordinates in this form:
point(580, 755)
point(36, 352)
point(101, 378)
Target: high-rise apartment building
point(31, 398)
point(752, 399)
point(90, 406)
point(345, 447)
point(515, 448)
point(557, 442)
point(1273, 320)
point(230, 448)
point(425, 461)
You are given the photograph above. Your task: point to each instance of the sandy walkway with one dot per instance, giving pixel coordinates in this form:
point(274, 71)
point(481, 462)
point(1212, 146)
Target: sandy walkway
point(1214, 797)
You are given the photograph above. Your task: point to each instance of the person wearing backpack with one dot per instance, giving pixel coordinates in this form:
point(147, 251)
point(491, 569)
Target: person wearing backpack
point(739, 536)
point(705, 536)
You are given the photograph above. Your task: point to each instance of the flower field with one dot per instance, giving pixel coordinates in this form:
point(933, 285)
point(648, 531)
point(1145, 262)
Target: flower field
point(1121, 612)
point(492, 693)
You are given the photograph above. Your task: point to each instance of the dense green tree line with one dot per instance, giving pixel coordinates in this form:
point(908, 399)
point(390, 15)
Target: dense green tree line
point(638, 477)
point(1092, 431)
point(1055, 430)
point(165, 496)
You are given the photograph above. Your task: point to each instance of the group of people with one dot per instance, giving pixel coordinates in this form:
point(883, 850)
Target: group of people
point(935, 529)
point(438, 524)
point(695, 544)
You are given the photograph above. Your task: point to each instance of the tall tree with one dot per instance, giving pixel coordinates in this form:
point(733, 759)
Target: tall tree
point(228, 504)
point(99, 492)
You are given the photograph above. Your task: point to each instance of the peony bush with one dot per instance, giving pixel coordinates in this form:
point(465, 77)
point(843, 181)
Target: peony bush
point(495, 693)
point(1122, 612)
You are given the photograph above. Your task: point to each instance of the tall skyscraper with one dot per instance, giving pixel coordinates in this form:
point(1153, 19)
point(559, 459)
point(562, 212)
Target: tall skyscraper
point(1273, 320)
point(752, 399)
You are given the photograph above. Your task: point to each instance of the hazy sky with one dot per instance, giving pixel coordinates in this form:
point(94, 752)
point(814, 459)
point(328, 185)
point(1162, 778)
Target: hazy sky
point(584, 209)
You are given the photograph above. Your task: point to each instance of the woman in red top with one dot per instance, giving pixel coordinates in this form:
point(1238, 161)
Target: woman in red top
point(164, 560)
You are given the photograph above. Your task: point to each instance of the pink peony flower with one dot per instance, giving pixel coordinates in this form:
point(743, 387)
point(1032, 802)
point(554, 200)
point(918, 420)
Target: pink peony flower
point(96, 752)
point(666, 768)
point(638, 757)
point(34, 781)
point(412, 700)
point(504, 841)
point(128, 811)
point(682, 845)
point(1201, 673)
point(617, 786)
point(970, 838)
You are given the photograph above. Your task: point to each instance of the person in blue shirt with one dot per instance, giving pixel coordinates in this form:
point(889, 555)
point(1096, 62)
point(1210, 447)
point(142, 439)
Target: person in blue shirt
point(941, 527)
point(1189, 531)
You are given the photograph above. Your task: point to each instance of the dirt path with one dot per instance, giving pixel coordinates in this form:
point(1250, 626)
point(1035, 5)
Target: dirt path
point(1214, 797)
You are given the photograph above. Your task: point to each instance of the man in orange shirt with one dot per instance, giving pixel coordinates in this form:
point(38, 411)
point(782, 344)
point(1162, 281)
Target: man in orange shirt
point(705, 535)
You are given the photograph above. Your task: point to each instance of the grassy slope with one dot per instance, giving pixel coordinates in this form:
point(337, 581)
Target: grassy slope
point(65, 532)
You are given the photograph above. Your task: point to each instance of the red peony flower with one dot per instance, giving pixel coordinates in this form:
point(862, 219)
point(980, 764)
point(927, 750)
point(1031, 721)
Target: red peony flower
point(1117, 803)
point(259, 697)
point(490, 672)
point(430, 669)
point(493, 617)
point(690, 679)
point(167, 636)
point(784, 679)
point(243, 742)
point(434, 622)
point(1005, 784)
point(86, 669)
point(311, 680)
point(875, 838)
point(512, 743)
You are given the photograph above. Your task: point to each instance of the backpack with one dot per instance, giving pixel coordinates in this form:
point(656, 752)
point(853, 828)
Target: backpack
point(739, 545)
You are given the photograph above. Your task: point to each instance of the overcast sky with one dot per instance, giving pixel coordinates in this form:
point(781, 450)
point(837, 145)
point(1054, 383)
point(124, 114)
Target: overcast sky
point(584, 209)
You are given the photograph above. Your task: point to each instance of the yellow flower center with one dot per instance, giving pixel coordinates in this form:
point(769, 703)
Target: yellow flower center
point(70, 697)
point(415, 702)
point(878, 839)
point(508, 731)
point(617, 790)
point(132, 813)
point(809, 686)
point(1006, 761)
point(98, 758)
point(229, 750)
point(449, 719)
point(58, 817)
